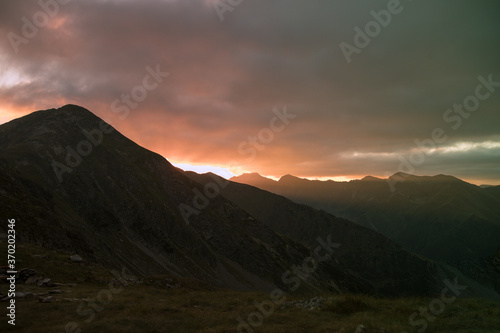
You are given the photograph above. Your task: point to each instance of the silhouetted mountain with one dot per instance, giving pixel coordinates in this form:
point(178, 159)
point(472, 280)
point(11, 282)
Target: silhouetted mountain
point(257, 180)
point(73, 182)
point(440, 217)
point(494, 190)
point(371, 179)
point(363, 255)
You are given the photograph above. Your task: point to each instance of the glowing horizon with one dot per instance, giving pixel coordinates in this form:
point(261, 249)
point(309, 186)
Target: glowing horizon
point(284, 100)
point(227, 174)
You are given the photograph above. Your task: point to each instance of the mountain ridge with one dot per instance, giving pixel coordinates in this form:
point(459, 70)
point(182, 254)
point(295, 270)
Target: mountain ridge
point(372, 252)
point(255, 176)
point(119, 206)
point(440, 217)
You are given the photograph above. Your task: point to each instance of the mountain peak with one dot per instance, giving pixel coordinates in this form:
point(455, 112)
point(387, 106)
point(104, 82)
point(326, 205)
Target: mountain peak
point(73, 110)
point(437, 178)
point(253, 178)
point(442, 177)
point(370, 179)
point(252, 174)
point(73, 181)
point(289, 177)
point(59, 127)
point(66, 113)
point(401, 174)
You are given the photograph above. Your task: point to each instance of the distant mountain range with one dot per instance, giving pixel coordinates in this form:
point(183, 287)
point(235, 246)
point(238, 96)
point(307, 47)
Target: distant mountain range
point(440, 217)
point(72, 182)
point(363, 255)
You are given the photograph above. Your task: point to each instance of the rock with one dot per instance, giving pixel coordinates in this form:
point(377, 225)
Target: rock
point(76, 258)
point(72, 299)
point(56, 292)
point(33, 279)
point(170, 286)
point(360, 329)
point(45, 283)
point(24, 274)
point(41, 294)
point(26, 294)
point(42, 281)
point(47, 299)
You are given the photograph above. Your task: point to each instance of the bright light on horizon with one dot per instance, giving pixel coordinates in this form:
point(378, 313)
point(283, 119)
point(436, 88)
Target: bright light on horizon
point(201, 169)
point(334, 178)
point(227, 174)
point(8, 114)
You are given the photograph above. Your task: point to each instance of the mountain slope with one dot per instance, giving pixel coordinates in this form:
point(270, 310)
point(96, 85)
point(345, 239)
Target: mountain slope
point(72, 182)
point(440, 217)
point(363, 254)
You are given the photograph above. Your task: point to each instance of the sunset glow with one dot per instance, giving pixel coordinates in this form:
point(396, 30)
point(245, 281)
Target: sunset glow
point(213, 112)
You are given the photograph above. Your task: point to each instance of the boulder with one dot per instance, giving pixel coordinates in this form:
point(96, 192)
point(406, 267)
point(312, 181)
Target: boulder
point(24, 274)
point(26, 294)
point(47, 299)
point(56, 292)
point(360, 329)
point(76, 258)
point(33, 279)
point(45, 283)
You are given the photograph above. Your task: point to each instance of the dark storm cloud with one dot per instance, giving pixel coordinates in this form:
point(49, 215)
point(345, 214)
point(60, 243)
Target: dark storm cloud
point(226, 77)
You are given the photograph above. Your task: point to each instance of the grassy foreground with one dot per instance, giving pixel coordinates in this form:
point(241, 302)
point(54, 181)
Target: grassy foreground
point(105, 302)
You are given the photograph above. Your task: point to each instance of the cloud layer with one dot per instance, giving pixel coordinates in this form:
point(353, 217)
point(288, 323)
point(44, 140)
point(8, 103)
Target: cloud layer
point(226, 77)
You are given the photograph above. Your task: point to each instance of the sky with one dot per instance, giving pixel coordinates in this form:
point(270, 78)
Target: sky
point(318, 89)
